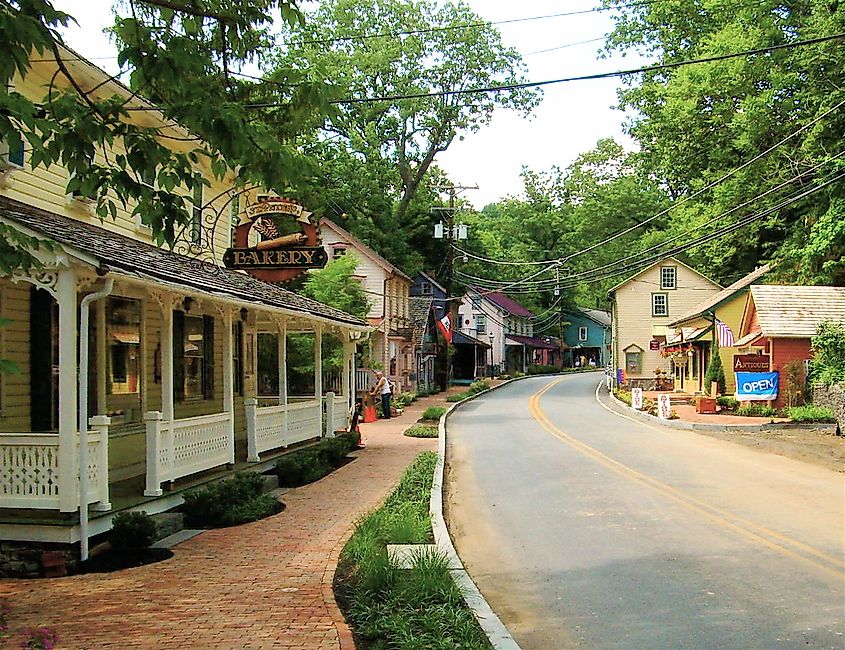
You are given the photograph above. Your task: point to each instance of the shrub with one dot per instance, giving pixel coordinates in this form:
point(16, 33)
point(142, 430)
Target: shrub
point(715, 372)
point(301, 467)
point(810, 413)
point(229, 502)
point(727, 402)
point(334, 450)
point(433, 413)
point(132, 533)
point(828, 364)
point(504, 376)
point(422, 431)
point(757, 410)
point(478, 387)
point(623, 395)
point(543, 370)
point(457, 397)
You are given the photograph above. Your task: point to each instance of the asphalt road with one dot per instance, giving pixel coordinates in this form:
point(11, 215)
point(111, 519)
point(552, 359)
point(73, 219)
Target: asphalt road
point(585, 529)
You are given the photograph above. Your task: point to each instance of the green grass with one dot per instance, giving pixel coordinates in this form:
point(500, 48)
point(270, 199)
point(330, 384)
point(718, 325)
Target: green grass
point(422, 431)
point(757, 411)
point(457, 397)
point(433, 412)
point(403, 609)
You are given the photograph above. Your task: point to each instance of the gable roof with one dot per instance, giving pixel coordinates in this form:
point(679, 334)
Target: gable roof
point(598, 315)
point(729, 292)
point(361, 246)
point(503, 302)
point(133, 258)
point(662, 262)
point(796, 311)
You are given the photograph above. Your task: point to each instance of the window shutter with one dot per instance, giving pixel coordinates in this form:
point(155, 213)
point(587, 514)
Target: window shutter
point(208, 356)
point(178, 355)
point(239, 353)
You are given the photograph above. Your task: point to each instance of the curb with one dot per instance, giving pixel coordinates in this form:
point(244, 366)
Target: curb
point(701, 426)
point(490, 623)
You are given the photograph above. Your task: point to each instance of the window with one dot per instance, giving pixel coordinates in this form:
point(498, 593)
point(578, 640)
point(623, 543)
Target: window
point(196, 215)
point(86, 193)
point(480, 324)
point(123, 331)
point(237, 356)
point(338, 252)
point(633, 362)
point(193, 342)
point(659, 304)
point(582, 333)
point(668, 277)
point(11, 151)
point(476, 302)
point(425, 289)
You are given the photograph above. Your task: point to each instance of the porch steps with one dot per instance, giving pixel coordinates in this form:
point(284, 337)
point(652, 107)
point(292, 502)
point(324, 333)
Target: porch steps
point(177, 538)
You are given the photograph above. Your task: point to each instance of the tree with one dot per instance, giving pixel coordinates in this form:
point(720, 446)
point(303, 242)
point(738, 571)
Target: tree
point(715, 372)
point(828, 363)
point(387, 49)
point(180, 55)
point(335, 286)
point(697, 122)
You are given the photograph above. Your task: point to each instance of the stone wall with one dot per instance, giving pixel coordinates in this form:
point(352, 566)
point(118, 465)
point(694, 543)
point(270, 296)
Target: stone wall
point(833, 397)
point(27, 559)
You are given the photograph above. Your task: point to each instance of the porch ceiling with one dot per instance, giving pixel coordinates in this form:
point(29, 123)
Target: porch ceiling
point(133, 258)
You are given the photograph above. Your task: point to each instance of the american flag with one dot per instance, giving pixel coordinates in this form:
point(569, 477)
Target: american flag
point(726, 336)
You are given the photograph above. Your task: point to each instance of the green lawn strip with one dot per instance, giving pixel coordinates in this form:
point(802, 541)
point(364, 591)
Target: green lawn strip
point(403, 609)
point(422, 431)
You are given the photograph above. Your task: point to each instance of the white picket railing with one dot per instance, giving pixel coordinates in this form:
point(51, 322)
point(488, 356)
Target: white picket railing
point(337, 413)
point(305, 421)
point(30, 476)
point(265, 428)
point(186, 446)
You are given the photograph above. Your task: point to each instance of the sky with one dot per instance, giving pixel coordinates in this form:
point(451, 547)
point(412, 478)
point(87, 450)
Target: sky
point(571, 119)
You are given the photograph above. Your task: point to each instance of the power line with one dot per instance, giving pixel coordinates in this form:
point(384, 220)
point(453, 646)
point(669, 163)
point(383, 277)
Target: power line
point(675, 205)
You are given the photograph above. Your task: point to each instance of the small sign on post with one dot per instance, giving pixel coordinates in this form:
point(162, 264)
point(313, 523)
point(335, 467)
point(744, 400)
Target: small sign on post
point(637, 398)
point(664, 407)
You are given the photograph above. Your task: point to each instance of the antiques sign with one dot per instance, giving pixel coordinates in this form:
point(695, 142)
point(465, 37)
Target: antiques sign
point(751, 363)
point(276, 241)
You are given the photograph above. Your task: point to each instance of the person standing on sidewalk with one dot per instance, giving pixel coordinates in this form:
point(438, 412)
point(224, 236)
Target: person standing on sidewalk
point(382, 388)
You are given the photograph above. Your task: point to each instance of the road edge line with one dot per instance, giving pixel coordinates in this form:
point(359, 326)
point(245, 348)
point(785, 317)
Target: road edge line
point(498, 635)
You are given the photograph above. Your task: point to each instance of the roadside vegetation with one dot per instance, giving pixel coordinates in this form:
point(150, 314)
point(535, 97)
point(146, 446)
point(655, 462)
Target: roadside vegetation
point(422, 431)
point(229, 502)
point(390, 608)
point(433, 413)
point(313, 463)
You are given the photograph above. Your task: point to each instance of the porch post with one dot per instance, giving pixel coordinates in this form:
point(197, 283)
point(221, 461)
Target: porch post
point(228, 381)
point(346, 375)
point(100, 425)
point(318, 375)
point(283, 371)
point(167, 379)
point(68, 390)
point(101, 351)
point(250, 406)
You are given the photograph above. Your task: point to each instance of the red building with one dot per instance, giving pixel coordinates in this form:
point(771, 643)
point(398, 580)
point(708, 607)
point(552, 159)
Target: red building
point(779, 322)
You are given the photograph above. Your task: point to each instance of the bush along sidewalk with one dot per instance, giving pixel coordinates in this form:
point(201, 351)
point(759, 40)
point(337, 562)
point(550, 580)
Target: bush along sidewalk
point(389, 607)
point(422, 431)
point(229, 502)
point(433, 413)
point(313, 463)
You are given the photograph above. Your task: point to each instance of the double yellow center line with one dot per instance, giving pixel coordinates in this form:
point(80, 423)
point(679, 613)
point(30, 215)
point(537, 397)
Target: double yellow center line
point(756, 533)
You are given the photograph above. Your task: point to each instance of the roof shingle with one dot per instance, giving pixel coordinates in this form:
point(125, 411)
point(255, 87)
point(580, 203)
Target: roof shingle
point(796, 311)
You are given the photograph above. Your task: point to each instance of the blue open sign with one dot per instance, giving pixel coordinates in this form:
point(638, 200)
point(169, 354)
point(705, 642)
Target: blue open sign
point(756, 386)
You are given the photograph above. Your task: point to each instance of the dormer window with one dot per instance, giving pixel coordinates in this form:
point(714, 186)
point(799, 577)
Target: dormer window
point(426, 289)
point(338, 252)
point(11, 152)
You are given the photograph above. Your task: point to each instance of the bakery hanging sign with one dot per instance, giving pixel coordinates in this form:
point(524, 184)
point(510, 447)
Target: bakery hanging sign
point(276, 241)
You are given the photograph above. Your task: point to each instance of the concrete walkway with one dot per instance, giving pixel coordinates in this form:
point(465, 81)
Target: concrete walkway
point(267, 584)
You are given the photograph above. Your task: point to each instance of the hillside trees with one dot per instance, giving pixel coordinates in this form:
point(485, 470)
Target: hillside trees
point(382, 153)
point(698, 122)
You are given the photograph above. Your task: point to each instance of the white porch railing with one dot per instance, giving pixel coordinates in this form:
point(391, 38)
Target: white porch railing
point(337, 413)
point(278, 426)
point(186, 446)
point(30, 476)
point(364, 379)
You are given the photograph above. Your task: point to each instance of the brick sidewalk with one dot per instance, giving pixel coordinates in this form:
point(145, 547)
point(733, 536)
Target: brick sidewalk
point(267, 584)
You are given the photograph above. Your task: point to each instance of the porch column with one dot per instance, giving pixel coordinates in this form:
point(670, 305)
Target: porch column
point(346, 377)
point(68, 390)
point(101, 352)
point(167, 378)
point(318, 375)
point(228, 381)
point(282, 325)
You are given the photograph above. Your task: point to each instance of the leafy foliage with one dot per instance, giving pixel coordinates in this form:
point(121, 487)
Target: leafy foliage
point(810, 413)
point(715, 372)
point(433, 413)
point(421, 431)
point(132, 533)
point(827, 366)
point(313, 463)
point(229, 502)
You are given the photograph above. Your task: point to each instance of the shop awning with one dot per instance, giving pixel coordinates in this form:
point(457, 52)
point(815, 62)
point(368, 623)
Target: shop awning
point(748, 339)
point(529, 341)
point(459, 338)
point(121, 255)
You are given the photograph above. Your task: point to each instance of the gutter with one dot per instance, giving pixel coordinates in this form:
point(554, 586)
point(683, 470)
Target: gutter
point(84, 311)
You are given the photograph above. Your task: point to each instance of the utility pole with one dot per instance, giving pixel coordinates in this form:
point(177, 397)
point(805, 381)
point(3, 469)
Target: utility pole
point(452, 235)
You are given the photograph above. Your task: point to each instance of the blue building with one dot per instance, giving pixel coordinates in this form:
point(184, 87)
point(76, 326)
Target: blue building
point(587, 336)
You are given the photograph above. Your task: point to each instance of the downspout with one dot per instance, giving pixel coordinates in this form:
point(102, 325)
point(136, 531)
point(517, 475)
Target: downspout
point(84, 312)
